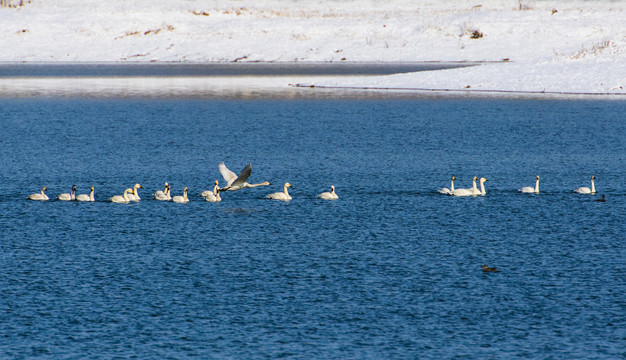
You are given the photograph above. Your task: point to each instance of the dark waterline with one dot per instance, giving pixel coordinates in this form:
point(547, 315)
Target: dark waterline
point(35, 70)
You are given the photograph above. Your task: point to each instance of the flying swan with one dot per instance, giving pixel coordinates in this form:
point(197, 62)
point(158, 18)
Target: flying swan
point(329, 195)
point(181, 199)
point(445, 190)
point(586, 190)
point(234, 182)
point(41, 196)
point(122, 199)
point(281, 195)
point(68, 197)
point(530, 189)
point(85, 197)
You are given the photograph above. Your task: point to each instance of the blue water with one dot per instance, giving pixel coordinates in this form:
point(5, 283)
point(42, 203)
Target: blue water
point(391, 270)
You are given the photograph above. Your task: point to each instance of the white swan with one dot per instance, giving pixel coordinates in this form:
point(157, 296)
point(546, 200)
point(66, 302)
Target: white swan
point(181, 199)
point(41, 196)
point(530, 189)
point(329, 195)
point(210, 192)
point(482, 186)
point(473, 191)
point(163, 194)
point(68, 197)
point(212, 196)
point(445, 190)
point(122, 199)
point(85, 197)
point(586, 190)
point(281, 195)
point(234, 182)
point(135, 195)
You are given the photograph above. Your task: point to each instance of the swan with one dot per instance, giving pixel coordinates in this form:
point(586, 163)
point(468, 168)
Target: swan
point(329, 195)
point(234, 182)
point(530, 189)
point(135, 195)
point(210, 192)
point(85, 197)
point(68, 197)
point(281, 195)
point(473, 191)
point(482, 186)
point(41, 196)
point(181, 199)
point(445, 190)
point(122, 199)
point(212, 196)
point(586, 190)
point(163, 194)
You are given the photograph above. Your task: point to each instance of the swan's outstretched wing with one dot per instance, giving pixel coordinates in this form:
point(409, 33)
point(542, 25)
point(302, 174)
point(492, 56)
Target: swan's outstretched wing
point(241, 179)
point(228, 175)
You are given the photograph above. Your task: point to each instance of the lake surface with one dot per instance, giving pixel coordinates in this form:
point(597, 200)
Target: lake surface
point(390, 270)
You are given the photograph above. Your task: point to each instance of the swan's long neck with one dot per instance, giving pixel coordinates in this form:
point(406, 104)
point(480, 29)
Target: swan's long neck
point(216, 190)
point(474, 188)
point(91, 197)
point(135, 191)
point(42, 192)
point(253, 185)
point(451, 184)
point(185, 195)
point(537, 186)
point(126, 195)
point(286, 192)
point(482, 187)
point(593, 186)
point(73, 194)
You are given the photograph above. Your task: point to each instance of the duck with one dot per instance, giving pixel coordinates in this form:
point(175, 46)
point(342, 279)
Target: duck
point(122, 199)
point(181, 199)
point(210, 192)
point(530, 189)
point(601, 200)
point(234, 182)
point(41, 196)
point(482, 186)
point(329, 195)
point(163, 194)
point(135, 195)
point(213, 196)
point(68, 197)
point(281, 195)
point(586, 190)
point(445, 190)
point(488, 269)
point(85, 197)
point(473, 191)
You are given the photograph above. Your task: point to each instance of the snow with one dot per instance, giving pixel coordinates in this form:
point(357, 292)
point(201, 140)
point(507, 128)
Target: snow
point(553, 46)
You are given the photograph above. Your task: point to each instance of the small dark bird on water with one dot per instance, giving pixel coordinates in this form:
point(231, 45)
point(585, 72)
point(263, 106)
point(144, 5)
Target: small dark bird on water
point(488, 269)
point(601, 200)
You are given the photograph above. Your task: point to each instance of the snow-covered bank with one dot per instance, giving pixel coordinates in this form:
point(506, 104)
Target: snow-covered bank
point(561, 45)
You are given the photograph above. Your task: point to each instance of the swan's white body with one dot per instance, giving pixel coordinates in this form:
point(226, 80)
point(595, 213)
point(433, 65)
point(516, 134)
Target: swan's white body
point(473, 191)
point(135, 195)
point(212, 196)
point(122, 199)
point(41, 196)
point(68, 197)
point(482, 186)
point(163, 194)
point(281, 195)
point(329, 195)
point(530, 189)
point(447, 191)
point(85, 197)
point(234, 182)
point(181, 199)
point(586, 190)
